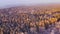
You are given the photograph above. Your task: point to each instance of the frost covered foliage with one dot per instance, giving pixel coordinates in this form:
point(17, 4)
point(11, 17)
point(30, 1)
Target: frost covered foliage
point(29, 21)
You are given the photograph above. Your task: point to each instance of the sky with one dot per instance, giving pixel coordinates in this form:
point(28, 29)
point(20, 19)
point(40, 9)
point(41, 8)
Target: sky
point(8, 3)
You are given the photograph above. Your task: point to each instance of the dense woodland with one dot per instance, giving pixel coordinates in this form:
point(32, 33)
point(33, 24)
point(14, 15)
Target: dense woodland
point(29, 20)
